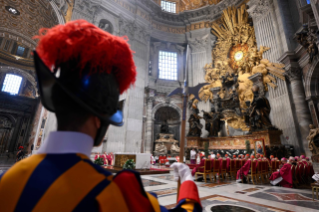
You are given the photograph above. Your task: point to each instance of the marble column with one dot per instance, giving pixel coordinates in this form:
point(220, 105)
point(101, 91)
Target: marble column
point(301, 108)
point(149, 130)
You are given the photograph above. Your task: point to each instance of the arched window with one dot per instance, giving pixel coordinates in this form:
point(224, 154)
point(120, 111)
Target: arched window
point(12, 84)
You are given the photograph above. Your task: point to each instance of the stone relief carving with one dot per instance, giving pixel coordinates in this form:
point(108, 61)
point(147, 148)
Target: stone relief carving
point(5, 122)
point(199, 44)
point(63, 5)
point(87, 6)
point(258, 8)
point(133, 30)
point(106, 26)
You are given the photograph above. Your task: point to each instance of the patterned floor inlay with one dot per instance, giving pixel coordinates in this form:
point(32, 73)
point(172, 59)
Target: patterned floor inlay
point(221, 203)
point(251, 189)
point(165, 177)
point(151, 183)
point(165, 192)
point(222, 199)
point(212, 185)
point(291, 197)
point(240, 192)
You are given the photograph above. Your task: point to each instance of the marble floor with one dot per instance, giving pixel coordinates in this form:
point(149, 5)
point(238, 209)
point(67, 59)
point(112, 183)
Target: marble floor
point(231, 196)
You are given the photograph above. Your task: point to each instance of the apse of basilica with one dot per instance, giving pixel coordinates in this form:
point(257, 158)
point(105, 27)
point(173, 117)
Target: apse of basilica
point(224, 77)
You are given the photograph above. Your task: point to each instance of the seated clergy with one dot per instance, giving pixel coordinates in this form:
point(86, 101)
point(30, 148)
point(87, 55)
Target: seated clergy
point(243, 171)
point(310, 168)
point(235, 157)
point(284, 175)
point(228, 162)
point(199, 167)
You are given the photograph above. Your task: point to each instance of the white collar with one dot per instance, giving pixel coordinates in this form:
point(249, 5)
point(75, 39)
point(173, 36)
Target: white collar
point(63, 142)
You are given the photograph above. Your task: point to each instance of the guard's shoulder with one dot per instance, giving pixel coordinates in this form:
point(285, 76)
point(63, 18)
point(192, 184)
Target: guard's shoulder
point(22, 168)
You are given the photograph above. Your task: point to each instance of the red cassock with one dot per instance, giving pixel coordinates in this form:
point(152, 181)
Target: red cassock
point(310, 170)
point(285, 173)
point(244, 170)
point(227, 164)
point(220, 164)
point(196, 169)
point(104, 159)
point(306, 169)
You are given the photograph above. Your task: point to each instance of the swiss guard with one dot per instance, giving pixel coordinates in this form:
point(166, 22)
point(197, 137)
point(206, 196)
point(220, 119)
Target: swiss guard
point(82, 70)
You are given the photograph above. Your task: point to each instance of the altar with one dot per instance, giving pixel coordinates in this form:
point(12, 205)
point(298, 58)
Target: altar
point(141, 160)
point(269, 138)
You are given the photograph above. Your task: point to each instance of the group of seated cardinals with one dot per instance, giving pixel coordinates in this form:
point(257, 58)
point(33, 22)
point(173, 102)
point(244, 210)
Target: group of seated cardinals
point(199, 167)
point(284, 175)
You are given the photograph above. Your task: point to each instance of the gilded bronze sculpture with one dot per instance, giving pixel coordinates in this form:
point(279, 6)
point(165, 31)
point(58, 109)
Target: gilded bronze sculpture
point(195, 127)
point(312, 137)
point(212, 124)
point(259, 111)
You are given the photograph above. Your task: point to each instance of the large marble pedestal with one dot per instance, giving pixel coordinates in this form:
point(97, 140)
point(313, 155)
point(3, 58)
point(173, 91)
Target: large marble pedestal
point(142, 160)
point(271, 138)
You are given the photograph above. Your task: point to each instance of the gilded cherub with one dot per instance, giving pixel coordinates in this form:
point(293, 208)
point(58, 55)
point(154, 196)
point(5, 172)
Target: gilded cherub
point(205, 93)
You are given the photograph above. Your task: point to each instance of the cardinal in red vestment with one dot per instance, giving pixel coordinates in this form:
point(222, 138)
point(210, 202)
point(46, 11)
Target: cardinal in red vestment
point(283, 176)
point(228, 162)
point(220, 162)
point(310, 168)
point(197, 168)
point(243, 171)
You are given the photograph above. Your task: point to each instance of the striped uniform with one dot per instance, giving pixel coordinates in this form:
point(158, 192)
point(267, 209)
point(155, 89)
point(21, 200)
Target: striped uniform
point(71, 182)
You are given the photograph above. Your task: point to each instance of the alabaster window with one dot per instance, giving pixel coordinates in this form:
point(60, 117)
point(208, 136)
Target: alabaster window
point(20, 51)
point(167, 65)
point(11, 84)
point(168, 6)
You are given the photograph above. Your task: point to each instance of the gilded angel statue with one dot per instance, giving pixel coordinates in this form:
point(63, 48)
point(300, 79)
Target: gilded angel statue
point(205, 93)
point(267, 69)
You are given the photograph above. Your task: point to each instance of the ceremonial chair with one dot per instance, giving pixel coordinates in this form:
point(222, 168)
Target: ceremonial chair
point(224, 169)
point(205, 170)
point(294, 178)
point(267, 168)
point(237, 165)
point(259, 171)
point(232, 168)
point(297, 174)
point(253, 174)
point(301, 173)
point(215, 171)
point(264, 170)
point(272, 166)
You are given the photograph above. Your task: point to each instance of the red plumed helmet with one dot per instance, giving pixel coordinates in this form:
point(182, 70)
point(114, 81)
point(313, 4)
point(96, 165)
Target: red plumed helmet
point(105, 53)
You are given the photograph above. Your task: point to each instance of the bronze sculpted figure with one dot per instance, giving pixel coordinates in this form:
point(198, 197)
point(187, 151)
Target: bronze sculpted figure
point(307, 38)
point(259, 111)
point(164, 127)
point(212, 120)
point(312, 139)
point(195, 127)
